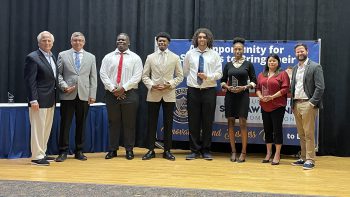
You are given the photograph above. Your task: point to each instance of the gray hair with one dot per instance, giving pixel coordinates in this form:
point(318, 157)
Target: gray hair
point(77, 34)
point(40, 36)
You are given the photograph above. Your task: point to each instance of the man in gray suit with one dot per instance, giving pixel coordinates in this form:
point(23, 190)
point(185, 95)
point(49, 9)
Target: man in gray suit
point(307, 89)
point(158, 76)
point(78, 83)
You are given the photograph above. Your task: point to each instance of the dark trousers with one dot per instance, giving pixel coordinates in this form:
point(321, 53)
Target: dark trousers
point(273, 125)
point(201, 105)
point(153, 112)
point(68, 109)
point(122, 117)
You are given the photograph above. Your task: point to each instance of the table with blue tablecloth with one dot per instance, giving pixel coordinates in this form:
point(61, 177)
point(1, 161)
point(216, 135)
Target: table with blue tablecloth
point(15, 131)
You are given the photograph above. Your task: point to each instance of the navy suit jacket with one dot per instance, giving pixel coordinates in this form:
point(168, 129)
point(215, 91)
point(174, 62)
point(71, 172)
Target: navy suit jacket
point(313, 83)
point(40, 80)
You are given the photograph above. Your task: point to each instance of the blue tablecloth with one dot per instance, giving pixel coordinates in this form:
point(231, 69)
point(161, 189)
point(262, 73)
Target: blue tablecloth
point(15, 131)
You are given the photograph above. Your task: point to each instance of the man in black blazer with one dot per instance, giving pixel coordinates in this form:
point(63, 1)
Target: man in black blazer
point(307, 88)
point(40, 74)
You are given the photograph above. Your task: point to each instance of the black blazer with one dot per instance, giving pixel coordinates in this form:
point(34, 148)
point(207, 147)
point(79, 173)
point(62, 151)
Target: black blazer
point(40, 80)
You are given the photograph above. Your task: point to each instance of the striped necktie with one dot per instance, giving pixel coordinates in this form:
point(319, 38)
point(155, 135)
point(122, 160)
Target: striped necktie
point(200, 69)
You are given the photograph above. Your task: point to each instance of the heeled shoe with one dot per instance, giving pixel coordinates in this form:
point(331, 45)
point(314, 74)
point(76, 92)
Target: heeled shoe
point(233, 157)
point(276, 163)
point(241, 160)
point(267, 160)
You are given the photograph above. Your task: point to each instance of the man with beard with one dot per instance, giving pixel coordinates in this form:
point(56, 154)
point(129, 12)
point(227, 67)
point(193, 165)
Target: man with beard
point(120, 73)
point(307, 89)
point(202, 66)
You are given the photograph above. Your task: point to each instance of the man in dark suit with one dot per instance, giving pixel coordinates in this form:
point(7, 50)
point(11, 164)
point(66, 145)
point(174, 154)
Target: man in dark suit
point(307, 89)
point(77, 79)
point(40, 73)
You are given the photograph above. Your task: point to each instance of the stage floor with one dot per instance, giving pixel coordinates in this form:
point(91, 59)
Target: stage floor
point(331, 176)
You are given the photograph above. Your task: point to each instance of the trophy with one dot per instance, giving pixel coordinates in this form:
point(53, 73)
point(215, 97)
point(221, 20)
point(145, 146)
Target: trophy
point(71, 82)
point(234, 81)
point(10, 97)
point(265, 91)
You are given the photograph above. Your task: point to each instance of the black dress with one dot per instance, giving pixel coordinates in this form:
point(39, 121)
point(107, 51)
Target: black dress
point(237, 104)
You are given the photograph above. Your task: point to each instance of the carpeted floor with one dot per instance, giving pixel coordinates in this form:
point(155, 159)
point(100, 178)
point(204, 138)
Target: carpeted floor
point(31, 188)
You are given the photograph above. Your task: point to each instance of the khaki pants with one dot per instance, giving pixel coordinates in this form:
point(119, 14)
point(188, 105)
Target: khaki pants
point(41, 124)
point(305, 115)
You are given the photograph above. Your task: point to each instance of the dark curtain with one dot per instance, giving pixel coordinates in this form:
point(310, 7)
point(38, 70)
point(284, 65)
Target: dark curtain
point(101, 21)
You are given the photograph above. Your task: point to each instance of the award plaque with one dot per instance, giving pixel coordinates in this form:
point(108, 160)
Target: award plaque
point(10, 97)
point(265, 91)
point(234, 81)
point(71, 82)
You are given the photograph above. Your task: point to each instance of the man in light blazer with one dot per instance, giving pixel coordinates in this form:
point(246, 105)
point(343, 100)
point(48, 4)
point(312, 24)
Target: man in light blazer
point(158, 76)
point(77, 79)
point(40, 75)
point(307, 88)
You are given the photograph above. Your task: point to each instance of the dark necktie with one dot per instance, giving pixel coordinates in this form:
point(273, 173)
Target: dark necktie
point(200, 69)
point(120, 67)
point(77, 61)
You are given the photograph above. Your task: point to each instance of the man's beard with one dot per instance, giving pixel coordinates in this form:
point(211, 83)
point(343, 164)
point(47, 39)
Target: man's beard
point(302, 57)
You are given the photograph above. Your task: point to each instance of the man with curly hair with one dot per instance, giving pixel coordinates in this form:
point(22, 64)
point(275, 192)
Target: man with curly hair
point(202, 67)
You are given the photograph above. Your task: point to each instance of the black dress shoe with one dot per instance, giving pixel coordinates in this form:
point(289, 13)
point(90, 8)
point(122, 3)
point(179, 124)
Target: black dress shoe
point(61, 157)
point(80, 156)
point(47, 158)
point(149, 155)
point(167, 155)
point(111, 154)
point(40, 162)
point(129, 155)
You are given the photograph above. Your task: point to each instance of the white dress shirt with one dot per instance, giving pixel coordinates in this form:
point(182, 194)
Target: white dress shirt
point(212, 67)
point(131, 70)
point(48, 57)
point(299, 85)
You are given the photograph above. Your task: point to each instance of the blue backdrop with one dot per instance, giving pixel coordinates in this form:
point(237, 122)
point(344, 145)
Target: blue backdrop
point(255, 52)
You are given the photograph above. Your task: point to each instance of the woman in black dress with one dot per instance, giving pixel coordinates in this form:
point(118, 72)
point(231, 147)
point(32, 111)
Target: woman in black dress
point(235, 80)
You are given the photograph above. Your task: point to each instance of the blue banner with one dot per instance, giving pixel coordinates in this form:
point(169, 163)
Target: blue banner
point(255, 52)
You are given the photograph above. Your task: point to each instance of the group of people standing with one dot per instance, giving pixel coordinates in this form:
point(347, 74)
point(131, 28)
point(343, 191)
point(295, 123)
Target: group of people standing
point(74, 76)
point(121, 71)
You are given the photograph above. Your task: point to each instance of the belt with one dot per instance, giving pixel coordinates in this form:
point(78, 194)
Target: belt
point(300, 100)
point(206, 88)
